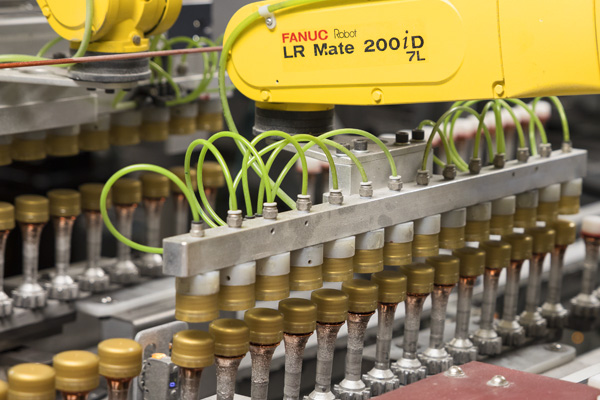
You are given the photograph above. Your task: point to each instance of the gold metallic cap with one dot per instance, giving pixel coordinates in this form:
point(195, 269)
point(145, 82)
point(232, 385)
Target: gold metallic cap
point(190, 308)
point(397, 254)
point(362, 295)
point(306, 278)
point(31, 381)
point(565, 232)
point(3, 390)
point(568, 205)
point(391, 286)
point(231, 336)
point(212, 175)
point(182, 126)
point(452, 238)
point(337, 269)
point(502, 224)
point(32, 209)
point(472, 261)
point(124, 135)
point(425, 245)
point(525, 217)
point(120, 358)
point(127, 191)
point(520, 244)
point(419, 278)
point(7, 216)
point(477, 231)
point(236, 298)
point(543, 239)
point(497, 254)
point(446, 269)
point(547, 212)
point(272, 288)
point(94, 141)
point(157, 131)
point(299, 316)
point(90, 196)
point(5, 158)
point(76, 371)
point(62, 145)
point(265, 324)
point(180, 172)
point(193, 349)
point(368, 261)
point(154, 185)
point(332, 305)
point(28, 150)
point(64, 202)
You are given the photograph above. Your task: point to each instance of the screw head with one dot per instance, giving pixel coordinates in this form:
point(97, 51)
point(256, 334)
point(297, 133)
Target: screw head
point(106, 300)
point(498, 381)
point(402, 137)
point(455, 372)
point(377, 96)
point(265, 95)
point(418, 134)
point(137, 40)
point(360, 144)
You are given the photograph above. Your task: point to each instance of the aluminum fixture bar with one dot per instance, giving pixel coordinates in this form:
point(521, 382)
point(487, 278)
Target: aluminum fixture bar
point(223, 247)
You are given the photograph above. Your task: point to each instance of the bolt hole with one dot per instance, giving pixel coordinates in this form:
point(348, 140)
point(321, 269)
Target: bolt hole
point(277, 81)
point(272, 231)
point(309, 262)
point(305, 223)
point(536, 168)
point(228, 277)
point(513, 174)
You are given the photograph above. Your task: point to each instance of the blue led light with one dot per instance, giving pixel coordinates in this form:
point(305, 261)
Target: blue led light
point(172, 384)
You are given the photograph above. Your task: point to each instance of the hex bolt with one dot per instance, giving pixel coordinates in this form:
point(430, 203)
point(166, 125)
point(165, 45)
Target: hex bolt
point(362, 303)
point(76, 374)
point(449, 172)
point(475, 166)
point(419, 285)
point(360, 145)
point(299, 323)
point(303, 203)
point(545, 150)
point(155, 190)
point(395, 183)
point(32, 214)
point(391, 291)
point(339, 152)
point(435, 358)
point(499, 161)
point(523, 154)
point(234, 218)
point(120, 362)
point(93, 279)
point(423, 177)
point(336, 197)
point(552, 309)
point(127, 194)
point(266, 333)
point(418, 135)
point(137, 40)
point(366, 190)
point(192, 351)
point(231, 338)
point(497, 255)
point(472, 262)
point(586, 305)
point(531, 319)
point(7, 223)
point(332, 311)
point(270, 211)
point(513, 334)
point(403, 138)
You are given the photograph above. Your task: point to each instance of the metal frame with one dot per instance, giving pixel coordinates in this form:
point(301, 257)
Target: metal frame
point(222, 247)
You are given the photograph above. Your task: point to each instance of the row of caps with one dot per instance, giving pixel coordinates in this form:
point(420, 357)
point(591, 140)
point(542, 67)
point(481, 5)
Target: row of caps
point(151, 124)
point(236, 288)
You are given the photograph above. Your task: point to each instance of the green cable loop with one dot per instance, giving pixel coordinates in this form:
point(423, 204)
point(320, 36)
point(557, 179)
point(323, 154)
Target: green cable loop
point(161, 72)
point(447, 149)
point(536, 121)
point(488, 137)
point(134, 168)
point(87, 29)
point(518, 126)
point(500, 142)
point(48, 46)
point(561, 112)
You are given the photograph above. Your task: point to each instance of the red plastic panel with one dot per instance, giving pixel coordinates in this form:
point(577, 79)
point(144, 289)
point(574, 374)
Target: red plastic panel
point(523, 386)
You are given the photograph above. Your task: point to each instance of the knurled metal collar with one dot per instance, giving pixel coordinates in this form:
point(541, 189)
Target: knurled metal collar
point(391, 286)
point(299, 315)
point(120, 358)
point(543, 239)
point(76, 371)
point(472, 261)
point(362, 295)
point(180, 172)
point(31, 381)
point(155, 186)
point(265, 324)
point(566, 232)
point(231, 337)
point(193, 349)
point(497, 254)
point(419, 278)
point(127, 191)
point(32, 209)
point(7, 216)
point(446, 269)
point(90, 196)
point(521, 246)
point(332, 305)
point(64, 202)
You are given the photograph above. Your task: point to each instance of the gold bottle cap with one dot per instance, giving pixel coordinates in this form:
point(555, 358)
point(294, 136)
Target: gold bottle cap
point(31, 381)
point(477, 231)
point(90, 196)
point(154, 131)
point(425, 245)
point(299, 316)
point(272, 287)
point(520, 244)
point(124, 135)
point(332, 305)
point(419, 277)
point(64, 202)
point(547, 212)
point(231, 337)
point(568, 205)
point(94, 141)
point(180, 172)
point(570, 194)
point(362, 295)
point(543, 239)
point(472, 261)
point(338, 269)
point(446, 269)
point(306, 278)
point(3, 390)
point(62, 145)
point(526, 212)
point(193, 349)
point(7, 216)
point(368, 261)
point(154, 185)
point(5, 158)
point(120, 358)
point(32, 209)
point(212, 175)
point(76, 371)
point(265, 324)
point(452, 238)
point(566, 232)
point(236, 298)
point(391, 286)
point(497, 254)
point(196, 308)
point(502, 224)
point(127, 191)
point(28, 150)
point(397, 254)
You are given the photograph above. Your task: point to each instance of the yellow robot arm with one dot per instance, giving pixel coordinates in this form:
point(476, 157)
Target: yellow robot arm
point(366, 52)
